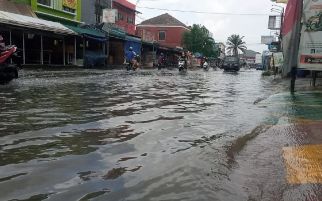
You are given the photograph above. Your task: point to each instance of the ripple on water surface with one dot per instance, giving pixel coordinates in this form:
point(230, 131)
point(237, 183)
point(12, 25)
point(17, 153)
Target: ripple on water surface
point(113, 135)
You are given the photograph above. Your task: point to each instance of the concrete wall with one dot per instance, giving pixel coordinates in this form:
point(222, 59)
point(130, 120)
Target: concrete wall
point(173, 36)
point(123, 24)
point(55, 12)
point(88, 10)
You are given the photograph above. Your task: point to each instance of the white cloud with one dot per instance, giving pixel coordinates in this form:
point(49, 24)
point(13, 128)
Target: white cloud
point(222, 26)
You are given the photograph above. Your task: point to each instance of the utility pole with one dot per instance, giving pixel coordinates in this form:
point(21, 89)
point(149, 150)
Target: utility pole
point(98, 11)
point(282, 23)
point(295, 49)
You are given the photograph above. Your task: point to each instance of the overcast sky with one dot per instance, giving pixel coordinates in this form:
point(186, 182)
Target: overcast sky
point(222, 26)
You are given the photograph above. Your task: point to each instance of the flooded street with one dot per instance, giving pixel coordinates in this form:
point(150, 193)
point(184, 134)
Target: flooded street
point(147, 135)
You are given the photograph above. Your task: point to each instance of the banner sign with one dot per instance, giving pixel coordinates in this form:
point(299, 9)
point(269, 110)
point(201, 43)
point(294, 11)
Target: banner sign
point(258, 59)
point(310, 52)
point(109, 16)
point(281, 1)
point(278, 59)
point(70, 4)
point(268, 39)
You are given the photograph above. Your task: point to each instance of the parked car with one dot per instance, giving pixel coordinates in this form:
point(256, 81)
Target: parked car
point(231, 63)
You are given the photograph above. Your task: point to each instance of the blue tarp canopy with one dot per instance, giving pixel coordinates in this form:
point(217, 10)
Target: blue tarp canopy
point(133, 42)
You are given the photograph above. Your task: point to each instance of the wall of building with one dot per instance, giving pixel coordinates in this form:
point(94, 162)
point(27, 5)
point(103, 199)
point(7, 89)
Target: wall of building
point(123, 23)
point(23, 1)
point(88, 10)
point(55, 12)
point(173, 35)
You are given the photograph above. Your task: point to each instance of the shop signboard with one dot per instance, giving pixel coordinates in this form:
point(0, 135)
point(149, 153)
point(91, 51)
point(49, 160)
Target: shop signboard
point(258, 59)
point(109, 16)
point(268, 39)
point(310, 51)
point(70, 4)
point(278, 59)
point(280, 1)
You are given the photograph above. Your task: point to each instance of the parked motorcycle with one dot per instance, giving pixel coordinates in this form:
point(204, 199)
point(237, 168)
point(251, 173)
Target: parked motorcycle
point(8, 71)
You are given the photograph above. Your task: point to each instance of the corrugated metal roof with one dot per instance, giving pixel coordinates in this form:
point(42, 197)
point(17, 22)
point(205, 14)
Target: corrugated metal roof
point(33, 23)
point(126, 4)
point(87, 31)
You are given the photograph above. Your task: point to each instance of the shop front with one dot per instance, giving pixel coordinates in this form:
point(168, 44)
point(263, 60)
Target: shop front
point(39, 42)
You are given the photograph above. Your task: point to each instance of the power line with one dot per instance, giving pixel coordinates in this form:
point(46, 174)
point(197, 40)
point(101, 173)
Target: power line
point(205, 12)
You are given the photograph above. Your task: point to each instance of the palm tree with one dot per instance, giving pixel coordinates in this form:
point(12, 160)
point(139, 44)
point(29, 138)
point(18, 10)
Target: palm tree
point(235, 43)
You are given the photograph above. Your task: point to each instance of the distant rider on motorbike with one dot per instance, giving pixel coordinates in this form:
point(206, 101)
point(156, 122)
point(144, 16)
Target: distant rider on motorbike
point(130, 56)
point(203, 61)
point(184, 56)
point(161, 60)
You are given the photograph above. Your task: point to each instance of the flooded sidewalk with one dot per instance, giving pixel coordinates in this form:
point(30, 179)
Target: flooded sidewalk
point(284, 160)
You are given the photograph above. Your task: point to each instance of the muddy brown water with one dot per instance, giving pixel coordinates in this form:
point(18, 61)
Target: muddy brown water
point(114, 135)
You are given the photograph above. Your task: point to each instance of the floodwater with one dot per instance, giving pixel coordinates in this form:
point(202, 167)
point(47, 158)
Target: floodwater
point(113, 135)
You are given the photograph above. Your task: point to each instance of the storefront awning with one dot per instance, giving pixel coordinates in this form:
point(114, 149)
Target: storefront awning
point(117, 33)
point(133, 39)
point(33, 23)
point(114, 31)
point(89, 33)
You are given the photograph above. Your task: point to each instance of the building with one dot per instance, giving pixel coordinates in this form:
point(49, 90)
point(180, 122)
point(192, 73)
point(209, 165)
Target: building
point(92, 10)
point(164, 29)
point(40, 42)
point(222, 50)
point(121, 32)
point(125, 15)
point(249, 56)
point(63, 11)
point(49, 43)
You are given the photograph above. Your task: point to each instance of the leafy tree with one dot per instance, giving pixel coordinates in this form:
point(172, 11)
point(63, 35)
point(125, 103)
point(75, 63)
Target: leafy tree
point(235, 43)
point(199, 40)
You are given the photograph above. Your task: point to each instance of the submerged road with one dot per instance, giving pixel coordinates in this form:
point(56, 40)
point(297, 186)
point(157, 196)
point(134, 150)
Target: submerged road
point(149, 135)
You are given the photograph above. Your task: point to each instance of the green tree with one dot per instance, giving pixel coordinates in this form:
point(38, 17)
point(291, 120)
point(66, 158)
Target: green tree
point(199, 39)
point(235, 43)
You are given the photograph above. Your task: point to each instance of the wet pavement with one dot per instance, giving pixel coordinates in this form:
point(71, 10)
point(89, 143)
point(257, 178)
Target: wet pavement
point(149, 135)
point(284, 161)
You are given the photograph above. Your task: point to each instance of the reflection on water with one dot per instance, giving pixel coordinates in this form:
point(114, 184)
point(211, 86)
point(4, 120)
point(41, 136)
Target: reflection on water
point(113, 135)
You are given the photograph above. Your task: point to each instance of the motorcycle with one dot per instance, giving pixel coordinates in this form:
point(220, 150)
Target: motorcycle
point(182, 65)
point(134, 64)
point(8, 72)
point(205, 66)
point(161, 64)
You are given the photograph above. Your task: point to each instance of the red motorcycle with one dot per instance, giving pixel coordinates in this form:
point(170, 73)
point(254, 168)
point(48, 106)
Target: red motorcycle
point(8, 71)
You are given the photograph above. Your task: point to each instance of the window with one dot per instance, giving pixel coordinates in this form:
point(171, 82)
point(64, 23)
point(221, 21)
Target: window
point(45, 2)
point(130, 20)
point(70, 10)
point(120, 16)
point(161, 35)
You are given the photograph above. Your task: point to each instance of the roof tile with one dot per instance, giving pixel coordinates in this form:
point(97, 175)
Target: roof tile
point(164, 19)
